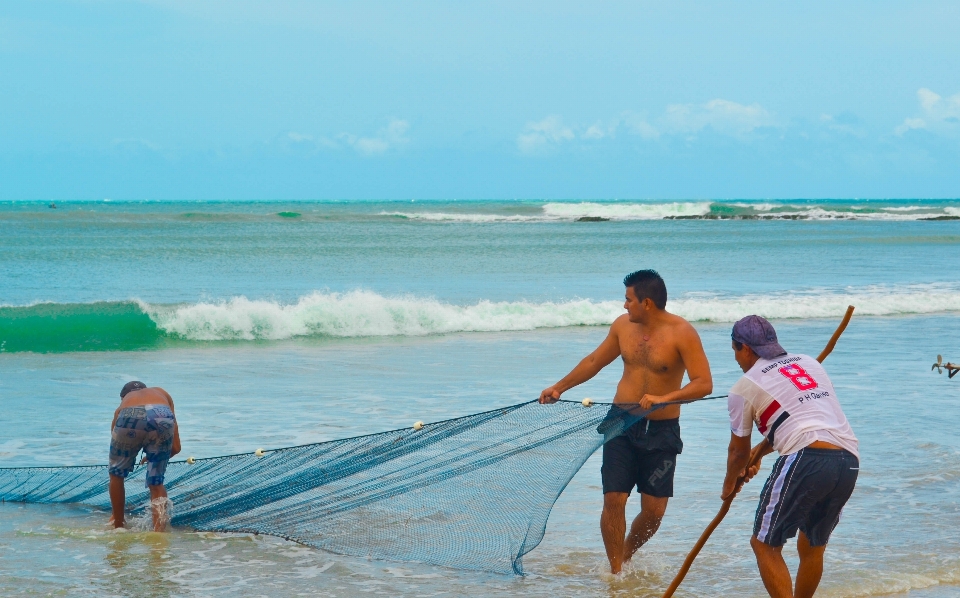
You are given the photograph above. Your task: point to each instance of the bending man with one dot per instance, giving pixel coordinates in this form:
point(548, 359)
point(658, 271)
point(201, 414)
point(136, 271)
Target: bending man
point(657, 347)
point(792, 401)
point(144, 420)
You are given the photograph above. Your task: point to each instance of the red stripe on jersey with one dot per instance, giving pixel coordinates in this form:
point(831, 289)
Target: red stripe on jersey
point(766, 415)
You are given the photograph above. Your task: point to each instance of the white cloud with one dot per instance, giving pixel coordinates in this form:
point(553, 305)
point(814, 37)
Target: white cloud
point(845, 123)
point(539, 135)
point(298, 137)
point(387, 138)
point(940, 115)
point(392, 136)
point(910, 123)
point(371, 145)
point(638, 125)
point(723, 116)
point(595, 132)
point(928, 99)
point(307, 141)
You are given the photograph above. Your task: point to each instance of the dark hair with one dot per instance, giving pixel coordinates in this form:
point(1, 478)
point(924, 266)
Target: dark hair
point(739, 346)
point(648, 284)
point(130, 387)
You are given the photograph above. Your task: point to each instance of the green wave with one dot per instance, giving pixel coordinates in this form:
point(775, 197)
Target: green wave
point(135, 325)
point(60, 328)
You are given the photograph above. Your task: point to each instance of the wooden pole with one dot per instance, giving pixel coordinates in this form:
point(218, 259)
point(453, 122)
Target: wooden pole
point(833, 339)
point(753, 460)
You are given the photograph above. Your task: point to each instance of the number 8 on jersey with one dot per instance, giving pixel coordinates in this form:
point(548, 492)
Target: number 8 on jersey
point(799, 376)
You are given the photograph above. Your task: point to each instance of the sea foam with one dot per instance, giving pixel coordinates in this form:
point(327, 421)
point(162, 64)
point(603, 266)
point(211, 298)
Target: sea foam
point(462, 217)
point(691, 210)
point(364, 313)
point(626, 211)
point(368, 314)
point(571, 211)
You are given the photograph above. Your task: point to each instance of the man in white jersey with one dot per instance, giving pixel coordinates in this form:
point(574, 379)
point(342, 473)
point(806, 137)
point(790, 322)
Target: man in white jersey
point(794, 404)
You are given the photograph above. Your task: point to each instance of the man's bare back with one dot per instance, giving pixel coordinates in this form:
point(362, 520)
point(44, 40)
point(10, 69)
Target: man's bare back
point(145, 396)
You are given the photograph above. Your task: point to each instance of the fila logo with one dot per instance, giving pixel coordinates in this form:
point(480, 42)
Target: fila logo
point(667, 466)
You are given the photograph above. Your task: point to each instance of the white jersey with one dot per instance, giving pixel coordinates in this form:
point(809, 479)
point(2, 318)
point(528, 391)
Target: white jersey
point(793, 403)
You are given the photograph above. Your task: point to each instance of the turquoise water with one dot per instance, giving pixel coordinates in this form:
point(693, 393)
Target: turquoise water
point(352, 318)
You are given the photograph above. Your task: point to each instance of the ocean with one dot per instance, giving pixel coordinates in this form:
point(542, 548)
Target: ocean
point(281, 323)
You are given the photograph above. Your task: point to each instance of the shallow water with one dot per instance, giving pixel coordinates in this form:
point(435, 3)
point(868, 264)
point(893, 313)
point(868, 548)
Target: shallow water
point(897, 533)
point(234, 395)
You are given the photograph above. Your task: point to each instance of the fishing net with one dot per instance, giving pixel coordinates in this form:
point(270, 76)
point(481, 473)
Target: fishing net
point(473, 492)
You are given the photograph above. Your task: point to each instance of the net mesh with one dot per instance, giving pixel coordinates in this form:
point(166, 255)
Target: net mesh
point(473, 492)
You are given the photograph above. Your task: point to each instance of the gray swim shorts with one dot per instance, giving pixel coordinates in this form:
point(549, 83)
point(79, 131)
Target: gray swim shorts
point(148, 427)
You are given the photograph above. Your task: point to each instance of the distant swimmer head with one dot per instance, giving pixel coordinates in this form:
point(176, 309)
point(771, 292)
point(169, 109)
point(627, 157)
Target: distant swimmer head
point(758, 334)
point(130, 387)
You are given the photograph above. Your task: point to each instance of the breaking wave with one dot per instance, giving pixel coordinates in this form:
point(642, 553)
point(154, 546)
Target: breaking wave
point(364, 313)
point(693, 210)
point(626, 211)
point(137, 325)
point(462, 217)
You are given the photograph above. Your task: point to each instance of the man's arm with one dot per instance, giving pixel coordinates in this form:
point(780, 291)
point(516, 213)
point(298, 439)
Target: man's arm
point(698, 370)
point(756, 456)
point(176, 440)
point(738, 456)
point(588, 367)
point(738, 465)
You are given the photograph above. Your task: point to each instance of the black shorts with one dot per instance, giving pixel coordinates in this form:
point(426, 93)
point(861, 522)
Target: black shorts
point(805, 491)
point(645, 456)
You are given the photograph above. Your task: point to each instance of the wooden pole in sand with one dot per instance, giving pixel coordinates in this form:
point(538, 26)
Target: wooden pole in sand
point(753, 459)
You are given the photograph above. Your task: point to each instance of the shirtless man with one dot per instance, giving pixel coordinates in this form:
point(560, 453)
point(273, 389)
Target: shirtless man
point(657, 347)
point(144, 420)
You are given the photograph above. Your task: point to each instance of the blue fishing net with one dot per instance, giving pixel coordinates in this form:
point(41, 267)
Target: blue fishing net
point(473, 492)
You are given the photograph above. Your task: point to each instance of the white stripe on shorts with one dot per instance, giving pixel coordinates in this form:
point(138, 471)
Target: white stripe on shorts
point(775, 497)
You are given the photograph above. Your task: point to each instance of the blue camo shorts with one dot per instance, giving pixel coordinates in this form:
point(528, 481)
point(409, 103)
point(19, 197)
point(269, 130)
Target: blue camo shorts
point(147, 427)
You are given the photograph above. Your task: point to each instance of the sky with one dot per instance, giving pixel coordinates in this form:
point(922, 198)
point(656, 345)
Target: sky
point(487, 100)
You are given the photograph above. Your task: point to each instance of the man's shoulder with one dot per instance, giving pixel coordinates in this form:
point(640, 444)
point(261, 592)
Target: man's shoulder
point(621, 322)
point(744, 385)
point(751, 391)
point(681, 326)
